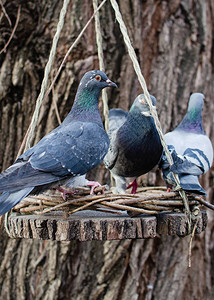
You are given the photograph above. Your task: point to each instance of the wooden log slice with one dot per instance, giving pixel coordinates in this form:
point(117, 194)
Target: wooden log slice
point(88, 225)
point(176, 223)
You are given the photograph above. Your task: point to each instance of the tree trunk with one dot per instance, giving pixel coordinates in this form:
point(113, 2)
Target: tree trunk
point(174, 44)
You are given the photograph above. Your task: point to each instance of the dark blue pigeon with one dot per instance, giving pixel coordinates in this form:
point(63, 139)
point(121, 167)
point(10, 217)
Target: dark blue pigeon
point(72, 149)
point(135, 147)
point(191, 149)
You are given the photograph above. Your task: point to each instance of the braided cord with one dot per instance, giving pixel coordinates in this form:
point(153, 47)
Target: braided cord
point(101, 62)
point(46, 74)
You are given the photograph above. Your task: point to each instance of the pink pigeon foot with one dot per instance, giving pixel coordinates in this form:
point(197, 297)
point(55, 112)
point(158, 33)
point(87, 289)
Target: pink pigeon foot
point(93, 185)
point(168, 190)
point(133, 184)
point(65, 192)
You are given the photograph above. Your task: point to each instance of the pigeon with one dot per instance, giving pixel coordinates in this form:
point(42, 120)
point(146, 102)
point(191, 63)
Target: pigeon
point(191, 149)
point(72, 149)
point(135, 147)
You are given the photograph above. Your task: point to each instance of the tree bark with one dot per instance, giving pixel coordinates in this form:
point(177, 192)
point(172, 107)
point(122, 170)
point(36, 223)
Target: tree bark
point(174, 44)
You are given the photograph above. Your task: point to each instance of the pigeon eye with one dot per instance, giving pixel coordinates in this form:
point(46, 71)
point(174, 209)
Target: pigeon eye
point(98, 77)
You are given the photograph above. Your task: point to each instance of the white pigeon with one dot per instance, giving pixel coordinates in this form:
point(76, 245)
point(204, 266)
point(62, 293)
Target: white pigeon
point(190, 147)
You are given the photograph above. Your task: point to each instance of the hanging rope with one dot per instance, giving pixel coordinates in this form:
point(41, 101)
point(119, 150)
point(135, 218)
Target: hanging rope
point(46, 74)
point(148, 99)
point(6, 224)
point(136, 65)
point(101, 63)
point(71, 48)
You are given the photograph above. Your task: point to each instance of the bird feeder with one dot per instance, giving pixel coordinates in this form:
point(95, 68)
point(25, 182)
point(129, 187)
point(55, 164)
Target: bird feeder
point(151, 212)
point(104, 216)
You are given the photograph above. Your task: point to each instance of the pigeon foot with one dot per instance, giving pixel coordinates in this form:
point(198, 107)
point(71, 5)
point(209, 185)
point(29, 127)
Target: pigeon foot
point(65, 192)
point(133, 184)
point(93, 185)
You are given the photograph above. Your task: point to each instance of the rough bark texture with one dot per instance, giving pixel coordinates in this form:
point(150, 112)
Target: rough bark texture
point(174, 44)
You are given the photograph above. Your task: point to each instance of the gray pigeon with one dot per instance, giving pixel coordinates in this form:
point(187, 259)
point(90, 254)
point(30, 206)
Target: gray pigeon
point(135, 147)
point(191, 149)
point(72, 149)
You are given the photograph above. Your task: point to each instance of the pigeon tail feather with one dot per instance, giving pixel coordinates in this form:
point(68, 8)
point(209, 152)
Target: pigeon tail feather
point(9, 200)
point(190, 183)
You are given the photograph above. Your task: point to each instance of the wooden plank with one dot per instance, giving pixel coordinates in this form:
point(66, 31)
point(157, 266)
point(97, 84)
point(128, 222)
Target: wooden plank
point(89, 225)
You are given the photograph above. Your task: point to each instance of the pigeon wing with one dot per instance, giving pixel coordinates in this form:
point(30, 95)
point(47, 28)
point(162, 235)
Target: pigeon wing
point(189, 163)
point(111, 157)
point(72, 150)
point(117, 118)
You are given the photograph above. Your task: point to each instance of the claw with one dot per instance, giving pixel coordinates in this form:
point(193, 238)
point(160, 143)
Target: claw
point(133, 184)
point(93, 185)
point(65, 192)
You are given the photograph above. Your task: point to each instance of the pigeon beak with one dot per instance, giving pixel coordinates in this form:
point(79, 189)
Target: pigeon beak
point(111, 83)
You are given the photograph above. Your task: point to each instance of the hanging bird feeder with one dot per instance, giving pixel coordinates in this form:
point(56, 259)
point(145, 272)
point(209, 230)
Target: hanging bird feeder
point(105, 216)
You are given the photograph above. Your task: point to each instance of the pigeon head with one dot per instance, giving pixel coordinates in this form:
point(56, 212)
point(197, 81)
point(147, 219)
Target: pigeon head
point(196, 102)
point(90, 87)
point(96, 80)
point(141, 104)
point(85, 105)
point(141, 98)
point(192, 121)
